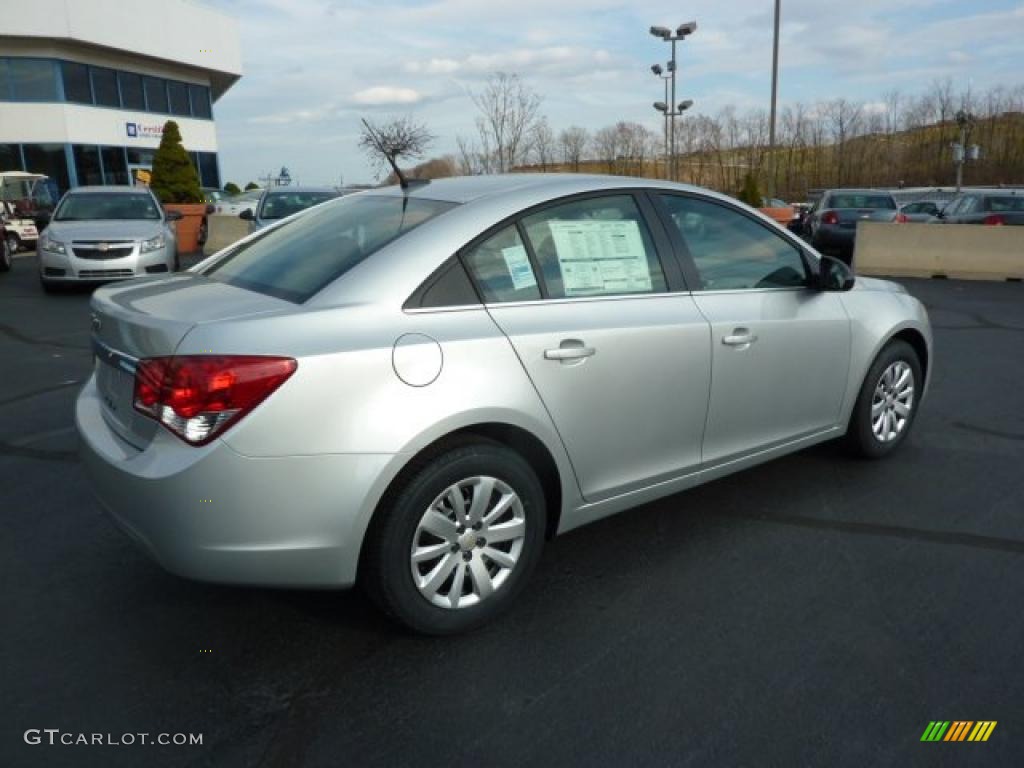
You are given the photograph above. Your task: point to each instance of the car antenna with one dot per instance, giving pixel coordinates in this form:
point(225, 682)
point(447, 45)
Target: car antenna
point(403, 182)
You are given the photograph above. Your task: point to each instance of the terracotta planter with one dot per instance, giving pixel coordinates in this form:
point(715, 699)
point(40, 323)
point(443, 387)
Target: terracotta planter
point(188, 227)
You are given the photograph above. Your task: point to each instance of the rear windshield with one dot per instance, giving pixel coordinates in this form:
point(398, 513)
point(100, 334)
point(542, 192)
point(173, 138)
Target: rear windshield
point(1006, 203)
point(107, 205)
point(278, 205)
point(297, 258)
point(861, 201)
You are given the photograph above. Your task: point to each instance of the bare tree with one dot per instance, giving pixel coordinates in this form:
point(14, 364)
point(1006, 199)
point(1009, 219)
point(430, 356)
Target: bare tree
point(508, 110)
point(390, 140)
point(573, 141)
point(542, 144)
point(606, 147)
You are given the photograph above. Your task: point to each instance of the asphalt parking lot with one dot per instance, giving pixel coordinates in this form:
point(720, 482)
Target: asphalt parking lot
point(812, 611)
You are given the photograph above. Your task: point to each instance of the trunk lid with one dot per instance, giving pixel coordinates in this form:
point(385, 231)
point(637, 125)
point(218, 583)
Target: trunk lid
point(148, 318)
point(848, 217)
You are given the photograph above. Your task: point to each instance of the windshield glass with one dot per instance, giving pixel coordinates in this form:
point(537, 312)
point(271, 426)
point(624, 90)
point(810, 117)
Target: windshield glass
point(861, 201)
point(296, 259)
point(108, 205)
point(278, 205)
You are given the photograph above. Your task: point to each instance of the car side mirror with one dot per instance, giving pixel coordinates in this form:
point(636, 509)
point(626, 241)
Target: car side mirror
point(246, 214)
point(210, 208)
point(174, 216)
point(834, 275)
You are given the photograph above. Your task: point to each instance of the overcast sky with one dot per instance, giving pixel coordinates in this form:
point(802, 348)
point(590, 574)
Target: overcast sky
point(313, 67)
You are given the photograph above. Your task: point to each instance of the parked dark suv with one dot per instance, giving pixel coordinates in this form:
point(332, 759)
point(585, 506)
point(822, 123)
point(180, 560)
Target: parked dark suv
point(832, 223)
point(993, 208)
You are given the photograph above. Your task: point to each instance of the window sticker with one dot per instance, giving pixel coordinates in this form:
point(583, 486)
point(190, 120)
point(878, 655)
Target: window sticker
point(519, 268)
point(601, 257)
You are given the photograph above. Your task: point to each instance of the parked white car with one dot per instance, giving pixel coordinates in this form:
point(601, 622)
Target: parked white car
point(233, 206)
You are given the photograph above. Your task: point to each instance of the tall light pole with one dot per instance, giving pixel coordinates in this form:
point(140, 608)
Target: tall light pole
point(657, 70)
point(682, 31)
point(775, 93)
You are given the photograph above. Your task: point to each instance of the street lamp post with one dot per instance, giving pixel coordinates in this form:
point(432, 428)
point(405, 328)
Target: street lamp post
point(682, 31)
point(657, 70)
point(775, 91)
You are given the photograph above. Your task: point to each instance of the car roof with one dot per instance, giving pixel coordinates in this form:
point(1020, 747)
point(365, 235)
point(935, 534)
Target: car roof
point(291, 189)
point(466, 189)
point(97, 190)
point(858, 192)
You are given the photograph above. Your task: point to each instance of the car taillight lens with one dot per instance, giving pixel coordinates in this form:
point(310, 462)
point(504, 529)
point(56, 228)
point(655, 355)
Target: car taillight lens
point(830, 217)
point(994, 220)
point(901, 218)
point(198, 397)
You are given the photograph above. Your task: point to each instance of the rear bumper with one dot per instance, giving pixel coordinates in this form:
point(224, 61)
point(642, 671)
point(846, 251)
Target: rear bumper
point(212, 514)
point(833, 237)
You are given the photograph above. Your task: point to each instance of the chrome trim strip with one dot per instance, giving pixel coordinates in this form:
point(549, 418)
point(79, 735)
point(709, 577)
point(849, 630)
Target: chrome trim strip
point(112, 357)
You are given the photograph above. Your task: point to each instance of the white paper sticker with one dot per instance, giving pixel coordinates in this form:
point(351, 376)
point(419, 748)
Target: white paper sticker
point(519, 268)
point(601, 257)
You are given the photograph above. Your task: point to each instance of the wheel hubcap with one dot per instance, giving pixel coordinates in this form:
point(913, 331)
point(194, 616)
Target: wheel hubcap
point(892, 402)
point(468, 542)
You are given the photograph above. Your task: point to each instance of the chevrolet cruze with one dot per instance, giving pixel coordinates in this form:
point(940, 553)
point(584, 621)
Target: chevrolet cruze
point(106, 233)
point(414, 388)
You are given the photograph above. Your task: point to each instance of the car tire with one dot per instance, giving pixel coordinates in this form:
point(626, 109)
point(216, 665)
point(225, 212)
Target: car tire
point(6, 257)
point(426, 565)
point(878, 424)
point(13, 243)
point(204, 232)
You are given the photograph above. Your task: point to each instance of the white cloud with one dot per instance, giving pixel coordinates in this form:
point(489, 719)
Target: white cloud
point(384, 95)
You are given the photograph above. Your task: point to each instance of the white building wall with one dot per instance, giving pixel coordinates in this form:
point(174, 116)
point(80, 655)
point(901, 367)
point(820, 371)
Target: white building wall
point(29, 123)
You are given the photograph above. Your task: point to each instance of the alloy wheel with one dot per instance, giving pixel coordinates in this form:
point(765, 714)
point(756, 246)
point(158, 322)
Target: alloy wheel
point(468, 542)
point(892, 401)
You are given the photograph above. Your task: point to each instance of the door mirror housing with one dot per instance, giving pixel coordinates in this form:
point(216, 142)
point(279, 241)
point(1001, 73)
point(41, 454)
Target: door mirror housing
point(834, 275)
point(174, 216)
point(246, 214)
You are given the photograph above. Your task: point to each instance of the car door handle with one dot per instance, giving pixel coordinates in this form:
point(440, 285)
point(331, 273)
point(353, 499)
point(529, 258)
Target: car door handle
point(741, 337)
point(569, 350)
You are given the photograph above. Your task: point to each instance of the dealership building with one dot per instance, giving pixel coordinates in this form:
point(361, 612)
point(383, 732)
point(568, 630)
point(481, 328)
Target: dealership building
point(86, 86)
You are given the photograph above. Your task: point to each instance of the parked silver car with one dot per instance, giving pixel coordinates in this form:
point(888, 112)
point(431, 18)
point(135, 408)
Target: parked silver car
point(106, 233)
point(281, 202)
point(413, 389)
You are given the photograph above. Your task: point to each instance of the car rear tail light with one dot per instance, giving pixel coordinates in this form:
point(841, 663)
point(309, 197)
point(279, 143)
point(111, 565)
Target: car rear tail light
point(901, 218)
point(197, 397)
point(994, 220)
point(830, 217)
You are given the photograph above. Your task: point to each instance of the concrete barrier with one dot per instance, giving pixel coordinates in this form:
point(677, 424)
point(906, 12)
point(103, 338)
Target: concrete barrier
point(963, 251)
point(224, 230)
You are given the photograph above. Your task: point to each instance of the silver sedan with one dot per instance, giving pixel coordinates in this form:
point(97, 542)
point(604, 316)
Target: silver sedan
point(107, 233)
point(414, 388)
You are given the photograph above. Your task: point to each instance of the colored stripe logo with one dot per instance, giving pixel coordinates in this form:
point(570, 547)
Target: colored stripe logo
point(958, 730)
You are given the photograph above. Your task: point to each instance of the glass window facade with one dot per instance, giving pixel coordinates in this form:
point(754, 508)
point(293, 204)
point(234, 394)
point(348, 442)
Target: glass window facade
point(32, 79)
point(131, 91)
point(104, 87)
point(48, 159)
point(178, 97)
point(76, 82)
point(10, 157)
point(200, 98)
point(29, 79)
point(156, 94)
point(87, 165)
point(115, 170)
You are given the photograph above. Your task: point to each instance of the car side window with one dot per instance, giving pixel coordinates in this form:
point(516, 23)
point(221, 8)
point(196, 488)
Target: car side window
point(732, 251)
point(951, 208)
point(500, 266)
point(597, 246)
point(968, 206)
